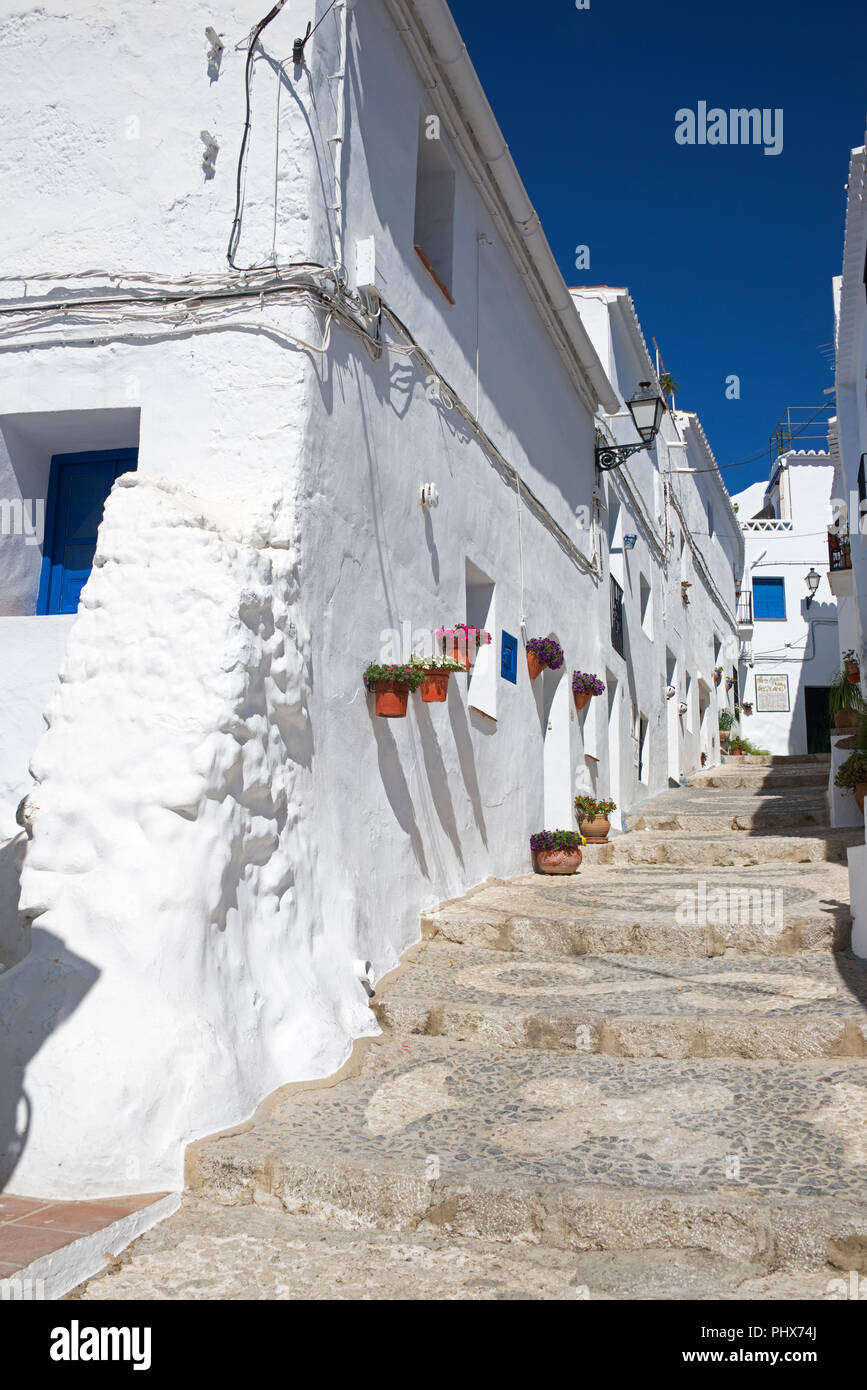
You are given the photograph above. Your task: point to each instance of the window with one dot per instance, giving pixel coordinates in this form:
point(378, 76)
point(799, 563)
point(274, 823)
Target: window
point(616, 617)
point(482, 687)
point(769, 600)
point(434, 207)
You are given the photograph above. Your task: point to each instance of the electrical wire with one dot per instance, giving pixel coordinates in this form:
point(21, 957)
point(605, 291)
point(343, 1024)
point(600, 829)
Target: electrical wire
point(235, 234)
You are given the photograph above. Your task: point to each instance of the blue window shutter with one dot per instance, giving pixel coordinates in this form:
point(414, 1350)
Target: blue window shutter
point(769, 600)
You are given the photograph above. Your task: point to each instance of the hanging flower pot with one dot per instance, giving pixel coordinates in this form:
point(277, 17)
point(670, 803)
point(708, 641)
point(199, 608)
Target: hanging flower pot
point(584, 686)
point(543, 652)
point(461, 643)
point(435, 687)
point(853, 666)
point(556, 851)
point(747, 706)
point(729, 683)
point(391, 686)
point(717, 675)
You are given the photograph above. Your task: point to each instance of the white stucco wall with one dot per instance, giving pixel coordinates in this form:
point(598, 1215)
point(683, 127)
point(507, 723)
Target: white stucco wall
point(804, 647)
point(221, 825)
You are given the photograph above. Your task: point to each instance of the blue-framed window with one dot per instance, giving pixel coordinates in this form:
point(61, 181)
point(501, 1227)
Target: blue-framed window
point(78, 485)
point(769, 599)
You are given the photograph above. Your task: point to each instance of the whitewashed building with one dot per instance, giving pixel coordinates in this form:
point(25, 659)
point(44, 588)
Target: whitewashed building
point(849, 447)
point(787, 609)
point(223, 833)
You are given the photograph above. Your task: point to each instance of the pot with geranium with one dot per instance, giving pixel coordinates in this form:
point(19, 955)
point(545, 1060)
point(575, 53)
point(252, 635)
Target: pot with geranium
point(845, 701)
point(392, 685)
point(852, 776)
point(435, 671)
point(556, 851)
point(584, 686)
point(747, 707)
point(593, 818)
point(853, 666)
point(543, 652)
point(461, 642)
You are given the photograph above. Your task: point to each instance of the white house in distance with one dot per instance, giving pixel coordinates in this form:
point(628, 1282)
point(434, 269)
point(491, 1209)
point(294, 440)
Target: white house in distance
point(237, 459)
point(787, 611)
point(849, 444)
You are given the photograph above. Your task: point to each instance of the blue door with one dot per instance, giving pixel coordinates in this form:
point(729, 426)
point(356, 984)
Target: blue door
point(77, 489)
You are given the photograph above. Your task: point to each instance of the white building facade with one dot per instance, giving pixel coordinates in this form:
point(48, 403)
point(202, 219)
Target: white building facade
point(849, 447)
point(790, 648)
point(221, 829)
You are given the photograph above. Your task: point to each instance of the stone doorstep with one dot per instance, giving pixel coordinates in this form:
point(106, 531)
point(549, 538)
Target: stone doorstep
point(38, 1236)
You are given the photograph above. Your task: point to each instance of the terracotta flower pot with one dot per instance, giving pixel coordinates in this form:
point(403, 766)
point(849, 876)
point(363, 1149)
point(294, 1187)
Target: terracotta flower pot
point(462, 652)
point(557, 861)
point(724, 735)
point(846, 719)
point(595, 829)
point(435, 687)
point(534, 665)
point(860, 790)
point(391, 699)
point(582, 699)
point(853, 671)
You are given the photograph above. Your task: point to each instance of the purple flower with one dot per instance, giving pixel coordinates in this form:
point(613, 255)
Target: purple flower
point(585, 683)
point(556, 839)
point(547, 651)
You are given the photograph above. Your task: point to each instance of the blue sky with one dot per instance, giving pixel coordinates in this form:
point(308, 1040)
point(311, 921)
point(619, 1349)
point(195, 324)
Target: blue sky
point(728, 252)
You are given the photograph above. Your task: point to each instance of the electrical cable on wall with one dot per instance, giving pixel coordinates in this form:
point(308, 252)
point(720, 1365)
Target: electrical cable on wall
point(235, 234)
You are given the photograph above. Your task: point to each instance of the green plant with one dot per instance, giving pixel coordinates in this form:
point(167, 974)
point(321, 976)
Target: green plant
point(402, 675)
point(743, 745)
point(843, 694)
point(434, 663)
point(589, 807)
point(667, 384)
point(726, 719)
point(557, 839)
point(852, 771)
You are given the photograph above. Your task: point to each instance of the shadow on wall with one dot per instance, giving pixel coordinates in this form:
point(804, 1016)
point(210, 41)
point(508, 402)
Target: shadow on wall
point(438, 779)
point(397, 789)
point(36, 997)
point(14, 929)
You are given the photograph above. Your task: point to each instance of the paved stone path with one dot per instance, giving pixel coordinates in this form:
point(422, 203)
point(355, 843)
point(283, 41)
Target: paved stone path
point(647, 1081)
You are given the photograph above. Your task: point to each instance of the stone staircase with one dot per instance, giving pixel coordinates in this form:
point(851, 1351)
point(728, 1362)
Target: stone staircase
point(646, 1081)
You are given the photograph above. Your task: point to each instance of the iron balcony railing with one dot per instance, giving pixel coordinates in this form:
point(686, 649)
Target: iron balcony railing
point(745, 609)
point(617, 617)
point(839, 552)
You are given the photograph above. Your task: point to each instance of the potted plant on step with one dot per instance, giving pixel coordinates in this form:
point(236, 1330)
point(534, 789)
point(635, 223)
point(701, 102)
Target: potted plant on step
point(852, 776)
point(461, 642)
point(392, 685)
point(556, 851)
point(593, 818)
point(584, 686)
point(845, 701)
point(726, 719)
point(435, 673)
point(741, 747)
point(543, 652)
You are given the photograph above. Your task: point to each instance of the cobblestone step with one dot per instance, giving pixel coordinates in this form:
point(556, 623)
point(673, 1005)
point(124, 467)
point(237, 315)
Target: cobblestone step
point(600, 912)
point(813, 846)
point(253, 1253)
point(760, 779)
point(750, 1007)
point(752, 1161)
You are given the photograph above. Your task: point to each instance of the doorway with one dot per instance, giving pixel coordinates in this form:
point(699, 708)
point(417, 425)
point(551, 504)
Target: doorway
point(818, 718)
point(77, 488)
point(557, 754)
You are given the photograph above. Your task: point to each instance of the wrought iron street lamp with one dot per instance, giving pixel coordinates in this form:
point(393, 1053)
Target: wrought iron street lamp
point(647, 409)
point(813, 582)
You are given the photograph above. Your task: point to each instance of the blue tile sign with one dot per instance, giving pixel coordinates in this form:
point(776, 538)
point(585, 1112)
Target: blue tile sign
point(509, 659)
